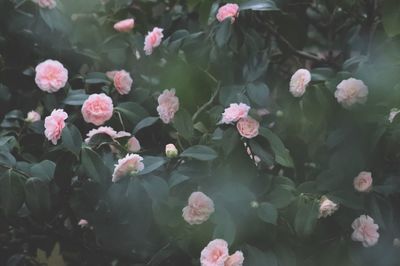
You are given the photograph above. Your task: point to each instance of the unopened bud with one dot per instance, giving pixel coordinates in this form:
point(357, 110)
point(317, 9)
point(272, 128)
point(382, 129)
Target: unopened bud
point(171, 151)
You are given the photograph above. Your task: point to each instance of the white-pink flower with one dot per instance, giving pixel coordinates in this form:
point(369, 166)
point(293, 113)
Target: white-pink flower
point(351, 91)
point(248, 127)
point(54, 124)
point(122, 81)
point(101, 130)
point(83, 223)
point(152, 40)
point(32, 116)
point(215, 253)
point(228, 11)
point(234, 112)
point(363, 182)
point(236, 259)
point(299, 82)
point(133, 144)
point(171, 151)
point(365, 231)
point(131, 164)
point(97, 109)
point(50, 4)
point(125, 25)
point(168, 105)
point(327, 207)
point(199, 208)
point(51, 76)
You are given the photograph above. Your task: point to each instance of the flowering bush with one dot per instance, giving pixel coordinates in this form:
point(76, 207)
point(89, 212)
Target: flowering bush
point(204, 133)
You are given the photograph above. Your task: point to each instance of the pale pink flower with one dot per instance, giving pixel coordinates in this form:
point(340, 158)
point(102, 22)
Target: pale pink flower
point(97, 109)
point(51, 76)
point(365, 231)
point(393, 113)
point(171, 151)
point(248, 127)
point(363, 182)
point(351, 91)
point(122, 81)
point(199, 208)
point(32, 116)
point(50, 4)
point(54, 125)
point(122, 134)
point(168, 105)
point(131, 164)
point(228, 11)
point(236, 259)
point(83, 223)
point(101, 130)
point(234, 112)
point(215, 253)
point(133, 144)
point(125, 25)
point(263, 112)
point(153, 40)
point(299, 82)
point(327, 207)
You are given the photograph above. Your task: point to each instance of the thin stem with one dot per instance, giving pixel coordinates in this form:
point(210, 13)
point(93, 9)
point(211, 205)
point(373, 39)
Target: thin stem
point(209, 102)
point(120, 120)
point(15, 170)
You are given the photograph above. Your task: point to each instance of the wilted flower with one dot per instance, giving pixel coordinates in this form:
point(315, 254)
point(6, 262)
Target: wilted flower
point(327, 207)
point(153, 40)
point(234, 112)
point(228, 11)
point(215, 253)
point(199, 208)
point(131, 164)
point(299, 82)
point(168, 105)
point(125, 25)
point(351, 91)
point(54, 124)
point(363, 182)
point(97, 109)
point(32, 116)
point(365, 231)
point(171, 151)
point(51, 76)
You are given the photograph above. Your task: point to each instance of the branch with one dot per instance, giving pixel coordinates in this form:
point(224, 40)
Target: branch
point(204, 106)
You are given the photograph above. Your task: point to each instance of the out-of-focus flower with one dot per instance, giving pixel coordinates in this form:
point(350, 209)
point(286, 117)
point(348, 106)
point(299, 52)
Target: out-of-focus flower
point(351, 91)
point(125, 25)
point(168, 105)
point(50, 4)
point(393, 113)
point(153, 40)
point(32, 116)
point(327, 207)
point(363, 182)
point(199, 208)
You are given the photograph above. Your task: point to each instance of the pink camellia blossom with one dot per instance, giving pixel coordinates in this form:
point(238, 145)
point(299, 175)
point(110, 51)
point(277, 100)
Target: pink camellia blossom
point(299, 82)
point(234, 112)
point(363, 182)
point(97, 109)
point(168, 105)
point(83, 223)
point(199, 208)
point(215, 253)
point(248, 127)
point(236, 259)
point(51, 76)
point(125, 25)
point(32, 116)
point(152, 40)
point(365, 231)
point(50, 4)
point(133, 144)
point(54, 124)
point(327, 207)
point(228, 11)
point(131, 164)
point(351, 91)
point(101, 130)
point(122, 81)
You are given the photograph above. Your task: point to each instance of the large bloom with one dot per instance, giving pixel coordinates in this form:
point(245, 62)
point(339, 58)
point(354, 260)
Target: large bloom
point(248, 127)
point(32, 116)
point(228, 11)
point(54, 124)
point(365, 231)
point(51, 76)
point(199, 208)
point(97, 109)
point(327, 207)
point(236, 259)
point(50, 4)
point(363, 182)
point(131, 164)
point(215, 253)
point(168, 105)
point(122, 81)
point(299, 82)
point(125, 25)
point(152, 40)
point(351, 91)
point(234, 112)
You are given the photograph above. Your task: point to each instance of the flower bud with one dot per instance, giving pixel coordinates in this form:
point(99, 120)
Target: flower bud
point(254, 204)
point(171, 151)
point(32, 116)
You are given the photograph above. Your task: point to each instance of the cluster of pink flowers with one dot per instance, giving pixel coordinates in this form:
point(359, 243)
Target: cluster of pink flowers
point(51, 76)
point(54, 125)
point(131, 164)
point(238, 112)
point(122, 81)
point(168, 105)
point(216, 253)
point(199, 208)
point(97, 109)
point(152, 40)
point(230, 11)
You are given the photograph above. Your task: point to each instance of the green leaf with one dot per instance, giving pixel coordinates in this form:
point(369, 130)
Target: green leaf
point(258, 93)
point(97, 78)
point(156, 188)
point(282, 155)
point(391, 17)
point(254, 257)
point(229, 140)
point(306, 217)
point(176, 179)
point(146, 122)
point(75, 97)
point(5, 94)
point(6, 158)
point(44, 170)
point(93, 166)
point(268, 213)
point(259, 5)
point(225, 228)
point(264, 155)
point(200, 152)
point(72, 139)
point(223, 32)
point(151, 163)
point(37, 195)
point(281, 197)
point(183, 124)
point(12, 194)
point(132, 111)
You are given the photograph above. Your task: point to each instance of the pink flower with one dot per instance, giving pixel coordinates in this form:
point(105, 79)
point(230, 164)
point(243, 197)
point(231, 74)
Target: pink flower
point(363, 182)
point(32, 116)
point(215, 253)
point(171, 151)
point(125, 25)
point(199, 208)
point(97, 109)
point(351, 91)
point(326, 207)
point(131, 164)
point(299, 82)
point(236, 259)
point(168, 105)
point(228, 11)
point(54, 124)
point(50, 4)
point(83, 223)
point(365, 231)
point(51, 76)
point(101, 130)
point(122, 81)
point(234, 112)
point(153, 40)
point(133, 144)
point(248, 127)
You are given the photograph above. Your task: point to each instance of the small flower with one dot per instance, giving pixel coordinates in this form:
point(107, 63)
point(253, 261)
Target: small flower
point(393, 113)
point(51, 76)
point(299, 82)
point(228, 11)
point(168, 105)
point(131, 164)
point(101, 130)
point(125, 25)
point(32, 116)
point(351, 91)
point(327, 207)
point(122, 81)
point(171, 151)
point(153, 40)
point(133, 145)
point(54, 124)
point(199, 208)
point(97, 109)
point(236, 259)
point(83, 223)
point(365, 231)
point(234, 112)
point(248, 127)
point(363, 182)
point(215, 253)
point(50, 4)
